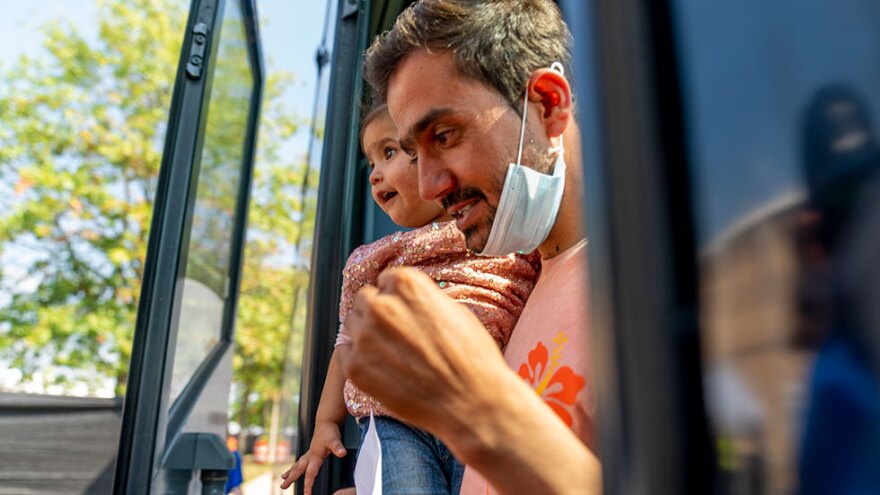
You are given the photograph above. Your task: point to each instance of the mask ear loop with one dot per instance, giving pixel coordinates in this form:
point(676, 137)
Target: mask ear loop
point(559, 148)
point(522, 131)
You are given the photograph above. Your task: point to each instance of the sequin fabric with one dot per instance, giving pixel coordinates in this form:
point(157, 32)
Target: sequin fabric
point(494, 288)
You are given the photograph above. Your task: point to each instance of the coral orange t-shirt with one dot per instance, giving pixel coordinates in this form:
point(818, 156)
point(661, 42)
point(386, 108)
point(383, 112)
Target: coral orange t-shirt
point(549, 349)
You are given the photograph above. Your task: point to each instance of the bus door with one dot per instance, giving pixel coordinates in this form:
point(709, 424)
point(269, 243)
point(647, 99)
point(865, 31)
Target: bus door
point(175, 412)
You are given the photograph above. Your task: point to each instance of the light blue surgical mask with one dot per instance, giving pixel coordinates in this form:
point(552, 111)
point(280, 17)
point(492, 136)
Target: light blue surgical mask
point(529, 202)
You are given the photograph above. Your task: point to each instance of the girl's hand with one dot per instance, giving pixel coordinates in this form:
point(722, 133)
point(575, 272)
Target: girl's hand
point(326, 440)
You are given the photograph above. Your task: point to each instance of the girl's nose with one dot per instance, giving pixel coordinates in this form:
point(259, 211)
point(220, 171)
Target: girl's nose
point(375, 176)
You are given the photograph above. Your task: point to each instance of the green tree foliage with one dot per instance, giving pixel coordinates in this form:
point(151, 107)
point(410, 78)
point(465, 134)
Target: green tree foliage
point(81, 136)
point(81, 145)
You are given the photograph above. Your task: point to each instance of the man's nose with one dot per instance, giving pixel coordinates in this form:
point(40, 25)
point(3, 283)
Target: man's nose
point(435, 182)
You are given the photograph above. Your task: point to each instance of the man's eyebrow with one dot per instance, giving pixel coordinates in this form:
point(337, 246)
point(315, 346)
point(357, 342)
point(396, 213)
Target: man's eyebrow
point(408, 140)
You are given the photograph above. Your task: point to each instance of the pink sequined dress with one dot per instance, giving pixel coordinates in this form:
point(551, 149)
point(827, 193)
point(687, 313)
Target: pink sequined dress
point(494, 288)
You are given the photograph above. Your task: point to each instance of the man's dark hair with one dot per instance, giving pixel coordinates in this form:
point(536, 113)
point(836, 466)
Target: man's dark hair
point(497, 42)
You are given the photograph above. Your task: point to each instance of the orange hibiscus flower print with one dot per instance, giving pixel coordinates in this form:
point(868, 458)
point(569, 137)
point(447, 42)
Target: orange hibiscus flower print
point(557, 385)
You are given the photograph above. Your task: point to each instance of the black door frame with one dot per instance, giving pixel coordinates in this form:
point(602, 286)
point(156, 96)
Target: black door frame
point(653, 431)
point(148, 427)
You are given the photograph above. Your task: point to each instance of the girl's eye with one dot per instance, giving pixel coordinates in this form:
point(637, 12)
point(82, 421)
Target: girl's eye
point(371, 165)
point(389, 152)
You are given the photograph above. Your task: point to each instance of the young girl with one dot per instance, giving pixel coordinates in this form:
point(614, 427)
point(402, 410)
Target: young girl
point(495, 289)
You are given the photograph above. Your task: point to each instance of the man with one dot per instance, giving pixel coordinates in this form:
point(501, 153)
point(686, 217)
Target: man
point(472, 87)
point(840, 447)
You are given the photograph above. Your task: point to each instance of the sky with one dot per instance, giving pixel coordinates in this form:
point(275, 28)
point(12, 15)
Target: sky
point(19, 26)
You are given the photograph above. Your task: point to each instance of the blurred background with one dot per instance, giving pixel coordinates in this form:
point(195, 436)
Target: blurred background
point(759, 293)
point(85, 91)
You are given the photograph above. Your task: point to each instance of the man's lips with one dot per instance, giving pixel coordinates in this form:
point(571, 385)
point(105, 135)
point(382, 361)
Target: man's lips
point(461, 208)
point(462, 212)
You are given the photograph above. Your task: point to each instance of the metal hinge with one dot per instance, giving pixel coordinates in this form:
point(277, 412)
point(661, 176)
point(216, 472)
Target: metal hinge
point(196, 59)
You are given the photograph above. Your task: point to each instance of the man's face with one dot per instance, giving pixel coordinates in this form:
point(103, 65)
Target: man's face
point(464, 134)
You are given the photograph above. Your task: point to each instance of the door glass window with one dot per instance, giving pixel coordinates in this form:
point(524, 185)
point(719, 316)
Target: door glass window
point(206, 285)
point(781, 99)
point(287, 427)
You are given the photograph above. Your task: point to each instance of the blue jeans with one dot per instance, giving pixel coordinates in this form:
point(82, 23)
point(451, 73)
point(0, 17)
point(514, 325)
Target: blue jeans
point(413, 461)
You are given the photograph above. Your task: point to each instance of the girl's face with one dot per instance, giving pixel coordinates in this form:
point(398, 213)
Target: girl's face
point(394, 178)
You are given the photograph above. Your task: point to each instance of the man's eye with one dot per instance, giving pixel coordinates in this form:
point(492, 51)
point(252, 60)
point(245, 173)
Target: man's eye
point(389, 152)
point(442, 137)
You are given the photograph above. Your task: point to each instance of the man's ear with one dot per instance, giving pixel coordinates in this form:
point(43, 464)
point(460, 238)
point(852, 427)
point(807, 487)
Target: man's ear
point(551, 89)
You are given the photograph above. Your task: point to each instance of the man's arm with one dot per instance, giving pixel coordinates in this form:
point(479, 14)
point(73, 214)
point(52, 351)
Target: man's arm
point(430, 362)
point(517, 433)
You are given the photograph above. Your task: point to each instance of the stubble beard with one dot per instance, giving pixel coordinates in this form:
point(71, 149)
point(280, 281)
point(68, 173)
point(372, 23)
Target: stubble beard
point(536, 158)
point(477, 235)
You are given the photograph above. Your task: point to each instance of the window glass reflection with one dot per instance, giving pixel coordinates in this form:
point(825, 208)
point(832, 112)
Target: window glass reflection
point(293, 359)
point(780, 101)
point(206, 286)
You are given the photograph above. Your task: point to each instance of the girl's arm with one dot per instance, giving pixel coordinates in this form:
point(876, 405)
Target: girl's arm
point(326, 438)
point(331, 408)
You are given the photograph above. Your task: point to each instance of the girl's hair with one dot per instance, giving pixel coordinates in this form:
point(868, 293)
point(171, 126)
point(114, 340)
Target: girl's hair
point(371, 114)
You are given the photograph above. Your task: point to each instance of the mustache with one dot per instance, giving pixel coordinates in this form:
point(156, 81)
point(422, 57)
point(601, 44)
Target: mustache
point(461, 194)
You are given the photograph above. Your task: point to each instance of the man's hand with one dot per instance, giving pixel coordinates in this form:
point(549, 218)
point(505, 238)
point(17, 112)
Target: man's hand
point(420, 353)
point(430, 362)
point(325, 441)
